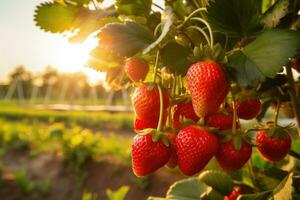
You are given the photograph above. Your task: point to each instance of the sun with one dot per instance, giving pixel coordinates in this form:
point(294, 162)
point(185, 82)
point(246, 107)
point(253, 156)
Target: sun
point(73, 58)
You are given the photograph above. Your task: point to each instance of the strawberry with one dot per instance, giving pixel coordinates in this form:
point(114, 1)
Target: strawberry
point(231, 159)
point(296, 63)
point(140, 124)
point(173, 159)
point(195, 147)
point(234, 194)
point(136, 69)
point(148, 156)
point(248, 109)
point(220, 121)
point(208, 86)
point(184, 109)
point(273, 148)
point(146, 102)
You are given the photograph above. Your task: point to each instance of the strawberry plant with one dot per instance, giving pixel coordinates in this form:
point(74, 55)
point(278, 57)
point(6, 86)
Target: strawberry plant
point(214, 74)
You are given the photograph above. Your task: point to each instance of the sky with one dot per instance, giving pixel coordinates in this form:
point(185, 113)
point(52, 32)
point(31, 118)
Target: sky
point(22, 43)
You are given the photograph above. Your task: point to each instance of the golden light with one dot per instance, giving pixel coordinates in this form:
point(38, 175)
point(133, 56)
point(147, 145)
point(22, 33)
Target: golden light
point(73, 58)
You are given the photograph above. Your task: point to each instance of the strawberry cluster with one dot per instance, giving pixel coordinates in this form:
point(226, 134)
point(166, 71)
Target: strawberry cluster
point(199, 128)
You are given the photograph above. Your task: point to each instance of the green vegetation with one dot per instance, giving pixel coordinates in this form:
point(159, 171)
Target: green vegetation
point(97, 120)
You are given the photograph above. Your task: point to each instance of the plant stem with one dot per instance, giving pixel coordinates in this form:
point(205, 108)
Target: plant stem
point(158, 6)
point(161, 107)
point(234, 113)
point(156, 66)
point(292, 92)
point(209, 29)
point(294, 154)
point(202, 32)
point(251, 172)
point(188, 17)
point(277, 112)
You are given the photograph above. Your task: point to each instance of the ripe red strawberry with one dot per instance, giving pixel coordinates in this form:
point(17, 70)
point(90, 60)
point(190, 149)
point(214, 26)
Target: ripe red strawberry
point(220, 121)
point(208, 86)
point(231, 159)
point(296, 63)
point(247, 109)
point(140, 124)
point(173, 159)
point(195, 147)
point(234, 194)
point(184, 109)
point(273, 148)
point(146, 102)
point(148, 156)
point(136, 69)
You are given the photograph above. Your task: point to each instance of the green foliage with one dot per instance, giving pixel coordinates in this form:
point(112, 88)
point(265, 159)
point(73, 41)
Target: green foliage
point(254, 62)
point(119, 194)
point(134, 7)
point(187, 189)
point(218, 180)
point(235, 17)
point(126, 39)
point(55, 17)
point(181, 63)
point(273, 16)
point(166, 23)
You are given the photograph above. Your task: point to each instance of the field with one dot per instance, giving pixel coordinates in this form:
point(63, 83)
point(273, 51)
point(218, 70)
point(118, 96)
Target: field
point(71, 155)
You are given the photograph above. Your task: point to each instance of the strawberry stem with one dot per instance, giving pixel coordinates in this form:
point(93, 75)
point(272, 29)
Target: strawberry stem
point(191, 15)
point(156, 66)
point(202, 32)
point(234, 113)
point(292, 92)
point(277, 112)
point(208, 27)
point(161, 107)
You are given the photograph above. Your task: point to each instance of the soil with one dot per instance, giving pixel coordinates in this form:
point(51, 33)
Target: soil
point(107, 173)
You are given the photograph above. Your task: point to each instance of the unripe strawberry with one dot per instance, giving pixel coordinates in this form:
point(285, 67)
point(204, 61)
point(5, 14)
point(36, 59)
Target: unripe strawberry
point(195, 147)
point(208, 86)
point(146, 102)
point(136, 69)
point(148, 156)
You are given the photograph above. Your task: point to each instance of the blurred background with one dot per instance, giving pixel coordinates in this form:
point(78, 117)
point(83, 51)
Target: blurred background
point(64, 134)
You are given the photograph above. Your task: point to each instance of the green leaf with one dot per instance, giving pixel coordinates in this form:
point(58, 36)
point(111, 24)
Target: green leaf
point(235, 17)
point(95, 19)
point(134, 7)
point(212, 195)
point(118, 194)
point(174, 50)
point(284, 189)
point(247, 72)
point(218, 180)
point(265, 56)
point(271, 178)
point(55, 17)
point(272, 17)
point(179, 8)
point(258, 196)
point(102, 59)
point(271, 50)
point(167, 21)
point(126, 39)
point(186, 189)
point(82, 2)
